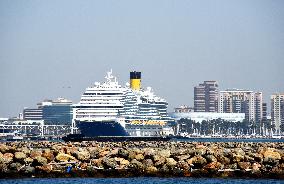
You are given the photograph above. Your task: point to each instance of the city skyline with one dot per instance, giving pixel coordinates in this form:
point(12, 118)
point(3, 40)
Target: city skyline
point(57, 49)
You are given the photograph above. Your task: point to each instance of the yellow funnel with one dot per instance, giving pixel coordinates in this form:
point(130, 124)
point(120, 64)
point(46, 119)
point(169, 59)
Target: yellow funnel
point(135, 80)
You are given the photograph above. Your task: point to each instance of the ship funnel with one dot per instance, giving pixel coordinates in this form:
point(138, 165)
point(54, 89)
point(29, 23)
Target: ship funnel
point(135, 80)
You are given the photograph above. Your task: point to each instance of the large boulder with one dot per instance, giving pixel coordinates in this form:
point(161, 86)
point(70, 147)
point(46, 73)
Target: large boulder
point(151, 170)
point(210, 158)
point(46, 168)
point(82, 155)
point(171, 162)
point(159, 161)
point(35, 153)
point(197, 161)
point(213, 166)
point(147, 162)
point(200, 150)
point(123, 153)
point(4, 148)
point(139, 157)
point(135, 164)
point(149, 152)
point(109, 163)
point(28, 160)
point(8, 158)
point(165, 153)
point(271, 154)
point(244, 165)
point(39, 160)
point(20, 156)
point(182, 157)
point(48, 154)
point(62, 157)
point(15, 166)
point(183, 165)
point(28, 170)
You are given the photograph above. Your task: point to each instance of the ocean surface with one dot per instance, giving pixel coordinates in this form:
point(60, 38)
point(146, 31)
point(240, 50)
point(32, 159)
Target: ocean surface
point(139, 180)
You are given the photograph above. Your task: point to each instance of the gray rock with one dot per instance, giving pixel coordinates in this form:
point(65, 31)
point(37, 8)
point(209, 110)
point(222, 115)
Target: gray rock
point(210, 158)
point(94, 153)
point(159, 160)
point(109, 163)
point(82, 155)
point(147, 162)
point(4, 168)
point(136, 165)
point(123, 153)
point(239, 151)
point(15, 166)
point(149, 153)
point(28, 170)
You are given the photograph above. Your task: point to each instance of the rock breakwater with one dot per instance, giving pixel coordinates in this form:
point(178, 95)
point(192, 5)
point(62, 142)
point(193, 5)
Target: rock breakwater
point(125, 159)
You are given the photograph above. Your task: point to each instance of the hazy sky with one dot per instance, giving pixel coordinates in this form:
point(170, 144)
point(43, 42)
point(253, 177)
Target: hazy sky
point(46, 46)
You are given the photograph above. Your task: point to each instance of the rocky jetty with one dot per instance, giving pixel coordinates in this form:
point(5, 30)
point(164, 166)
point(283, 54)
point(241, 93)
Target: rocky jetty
point(125, 159)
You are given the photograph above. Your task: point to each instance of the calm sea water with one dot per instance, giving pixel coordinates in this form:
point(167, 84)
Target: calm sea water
point(140, 180)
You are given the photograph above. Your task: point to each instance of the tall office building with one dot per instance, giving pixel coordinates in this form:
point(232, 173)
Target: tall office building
point(57, 111)
point(277, 110)
point(241, 101)
point(206, 97)
point(264, 111)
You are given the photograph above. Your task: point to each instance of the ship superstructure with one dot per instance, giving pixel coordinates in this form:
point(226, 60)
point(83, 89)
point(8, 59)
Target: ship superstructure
point(108, 109)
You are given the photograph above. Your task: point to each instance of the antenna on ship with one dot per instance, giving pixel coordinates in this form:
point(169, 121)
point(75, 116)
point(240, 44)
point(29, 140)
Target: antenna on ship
point(109, 76)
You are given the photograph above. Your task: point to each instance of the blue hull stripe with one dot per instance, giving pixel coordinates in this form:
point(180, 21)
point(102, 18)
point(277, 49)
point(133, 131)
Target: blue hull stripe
point(92, 129)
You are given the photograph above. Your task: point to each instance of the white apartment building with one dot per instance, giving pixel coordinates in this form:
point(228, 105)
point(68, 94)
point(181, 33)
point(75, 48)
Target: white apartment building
point(241, 101)
point(277, 110)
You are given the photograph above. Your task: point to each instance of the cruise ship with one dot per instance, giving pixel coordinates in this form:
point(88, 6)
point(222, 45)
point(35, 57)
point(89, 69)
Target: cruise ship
point(109, 109)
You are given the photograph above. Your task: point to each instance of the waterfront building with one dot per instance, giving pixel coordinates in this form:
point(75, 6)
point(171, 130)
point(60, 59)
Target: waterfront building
point(32, 114)
point(183, 108)
point(57, 111)
point(207, 116)
point(241, 101)
point(206, 97)
point(277, 110)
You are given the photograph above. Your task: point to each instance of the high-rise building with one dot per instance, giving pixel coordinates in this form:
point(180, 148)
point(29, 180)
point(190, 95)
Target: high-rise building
point(57, 111)
point(206, 97)
point(241, 101)
point(277, 110)
point(264, 111)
